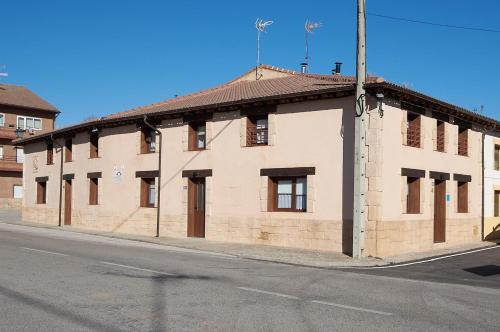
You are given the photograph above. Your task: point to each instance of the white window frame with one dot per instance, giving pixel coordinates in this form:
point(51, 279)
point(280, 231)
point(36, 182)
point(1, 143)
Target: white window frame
point(25, 120)
point(2, 122)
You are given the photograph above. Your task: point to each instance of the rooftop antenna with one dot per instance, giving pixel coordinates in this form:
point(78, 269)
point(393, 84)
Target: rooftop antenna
point(261, 26)
point(309, 27)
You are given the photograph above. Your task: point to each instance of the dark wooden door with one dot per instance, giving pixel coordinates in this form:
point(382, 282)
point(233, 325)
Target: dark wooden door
point(439, 211)
point(196, 207)
point(67, 202)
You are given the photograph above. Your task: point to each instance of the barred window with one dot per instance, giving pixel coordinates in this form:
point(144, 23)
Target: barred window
point(440, 136)
point(257, 130)
point(413, 132)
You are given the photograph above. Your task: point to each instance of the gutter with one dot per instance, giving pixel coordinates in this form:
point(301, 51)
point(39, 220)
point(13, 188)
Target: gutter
point(159, 174)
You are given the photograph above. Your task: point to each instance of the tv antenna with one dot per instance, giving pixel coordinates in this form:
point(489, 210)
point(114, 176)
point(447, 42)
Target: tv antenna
point(3, 73)
point(261, 26)
point(309, 27)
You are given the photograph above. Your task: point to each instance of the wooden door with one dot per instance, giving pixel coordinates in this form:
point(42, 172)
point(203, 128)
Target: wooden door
point(439, 211)
point(196, 207)
point(67, 202)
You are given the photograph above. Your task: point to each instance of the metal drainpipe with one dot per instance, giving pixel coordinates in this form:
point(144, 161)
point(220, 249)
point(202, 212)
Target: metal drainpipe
point(60, 177)
point(159, 174)
point(482, 185)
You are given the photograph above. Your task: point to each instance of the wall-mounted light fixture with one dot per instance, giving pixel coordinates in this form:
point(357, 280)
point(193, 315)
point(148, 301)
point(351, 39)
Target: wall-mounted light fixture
point(380, 101)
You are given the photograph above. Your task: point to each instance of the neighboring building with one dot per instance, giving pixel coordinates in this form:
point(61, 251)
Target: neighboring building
point(491, 187)
point(19, 108)
point(270, 162)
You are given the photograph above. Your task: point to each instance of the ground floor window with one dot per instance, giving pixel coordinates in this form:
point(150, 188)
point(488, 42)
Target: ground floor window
point(497, 203)
point(41, 192)
point(93, 191)
point(18, 191)
point(462, 197)
point(288, 194)
point(148, 192)
point(413, 195)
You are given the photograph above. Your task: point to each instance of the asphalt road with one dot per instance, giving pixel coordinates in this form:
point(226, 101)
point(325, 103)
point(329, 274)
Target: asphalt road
point(52, 280)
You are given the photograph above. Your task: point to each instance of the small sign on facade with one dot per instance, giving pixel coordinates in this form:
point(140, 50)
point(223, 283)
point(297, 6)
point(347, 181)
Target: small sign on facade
point(448, 198)
point(118, 172)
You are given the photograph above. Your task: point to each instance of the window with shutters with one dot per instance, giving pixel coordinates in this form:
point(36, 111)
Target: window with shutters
point(287, 194)
point(41, 192)
point(463, 145)
point(257, 130)
point(68, 150)
point(148, 140)
point(50, 153)
point(197, 136)
point(94, 145)
point(93, 191)
point(148, 196)
point(413, 130)
point(496, 165)
point(462, 197)
point(496, 203)
point(440, 136)
point(413, 195)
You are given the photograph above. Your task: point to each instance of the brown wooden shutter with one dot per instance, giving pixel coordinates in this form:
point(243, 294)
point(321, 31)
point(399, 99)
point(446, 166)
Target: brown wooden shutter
point(192, 137)
point(68, 150)
point(497, 204)
point(50, 153)
point(272, 189)
point(413, 133)
point(93, 191)
point(41, 192)
point(463, 197)
point(413, 201)
point(94, 146)
point(251, 131)
point(462, 141)
point(440, 139)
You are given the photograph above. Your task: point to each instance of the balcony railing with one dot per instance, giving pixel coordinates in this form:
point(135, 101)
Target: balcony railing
point(15, 159)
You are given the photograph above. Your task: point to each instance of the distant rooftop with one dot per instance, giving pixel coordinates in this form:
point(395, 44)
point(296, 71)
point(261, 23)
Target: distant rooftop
point(19, 96)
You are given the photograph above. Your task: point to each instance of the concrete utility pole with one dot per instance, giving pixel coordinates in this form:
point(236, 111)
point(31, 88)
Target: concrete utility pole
point(359, 213)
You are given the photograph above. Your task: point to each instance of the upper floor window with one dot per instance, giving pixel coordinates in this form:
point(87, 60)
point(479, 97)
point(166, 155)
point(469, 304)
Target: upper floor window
point(288, 194)
point(440, 136)
point(463, 141)
point(413, 130)
point(1, 152)
point(50, 153)
point(496, 203)
point(257, 130)
point(197, 136)
point(68, 150)
point(94, 145)
point(2, 120)
point(497, 157)
point(148, 140)
point(25, 122)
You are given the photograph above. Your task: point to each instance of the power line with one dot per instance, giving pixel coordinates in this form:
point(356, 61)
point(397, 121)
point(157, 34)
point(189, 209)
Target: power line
point(433, 23)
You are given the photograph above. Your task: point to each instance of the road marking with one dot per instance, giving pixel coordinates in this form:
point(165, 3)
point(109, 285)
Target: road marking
point(435, 259)
point(352, 308)
point(269, 293)
point(44, 251)
point(138, 268)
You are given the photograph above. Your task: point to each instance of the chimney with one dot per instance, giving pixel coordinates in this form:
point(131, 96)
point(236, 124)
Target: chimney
point(338, 66)
point(304, 68)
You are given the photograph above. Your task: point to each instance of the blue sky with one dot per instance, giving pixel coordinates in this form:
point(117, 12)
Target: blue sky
point(91, 58)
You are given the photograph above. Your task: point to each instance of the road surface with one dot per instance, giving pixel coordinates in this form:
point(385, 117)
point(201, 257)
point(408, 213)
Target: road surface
point(53, 280)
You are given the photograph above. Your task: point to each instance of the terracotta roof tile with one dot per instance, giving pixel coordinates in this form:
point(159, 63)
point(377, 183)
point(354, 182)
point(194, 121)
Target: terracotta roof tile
point(13, 95)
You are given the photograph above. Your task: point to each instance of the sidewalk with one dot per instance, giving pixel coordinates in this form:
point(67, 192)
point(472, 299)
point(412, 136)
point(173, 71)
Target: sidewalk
point(322, 259)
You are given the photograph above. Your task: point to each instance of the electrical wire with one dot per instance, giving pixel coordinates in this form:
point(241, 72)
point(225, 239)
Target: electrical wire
point(433, 23)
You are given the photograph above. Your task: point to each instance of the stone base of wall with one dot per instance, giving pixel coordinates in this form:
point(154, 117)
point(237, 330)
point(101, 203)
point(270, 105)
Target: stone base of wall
point(492, 228)
point(390, 238)
point(11, 203)
point(40, 214)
